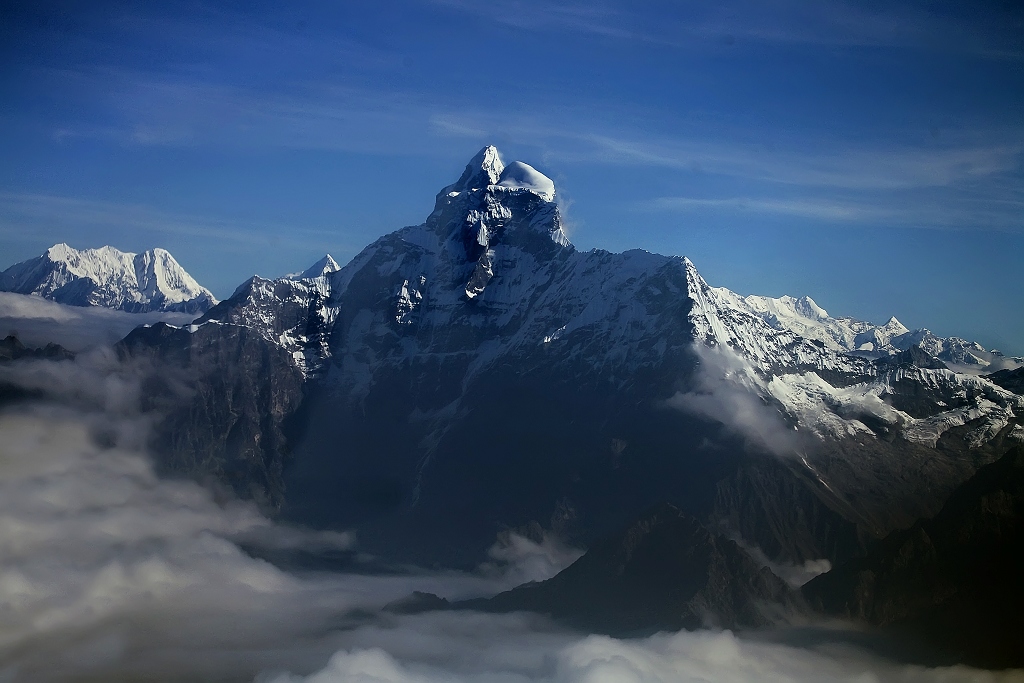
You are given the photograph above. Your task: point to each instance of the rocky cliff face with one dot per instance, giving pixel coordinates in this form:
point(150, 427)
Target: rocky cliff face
point(955, 578)
point(224, 395)
point(478, 372)
point(1012, 380)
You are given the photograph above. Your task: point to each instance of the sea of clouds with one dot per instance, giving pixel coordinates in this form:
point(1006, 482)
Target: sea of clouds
point(37, 321)
point(109, 572)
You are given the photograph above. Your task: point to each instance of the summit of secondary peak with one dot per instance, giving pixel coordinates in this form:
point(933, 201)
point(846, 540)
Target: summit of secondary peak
point(324, 266)
point(522, 176)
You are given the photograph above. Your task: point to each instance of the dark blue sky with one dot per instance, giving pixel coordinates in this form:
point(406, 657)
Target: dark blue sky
point(866, 154)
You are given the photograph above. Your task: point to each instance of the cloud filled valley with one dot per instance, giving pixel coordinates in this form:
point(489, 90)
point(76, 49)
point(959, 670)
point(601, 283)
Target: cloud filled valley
point(109, 570)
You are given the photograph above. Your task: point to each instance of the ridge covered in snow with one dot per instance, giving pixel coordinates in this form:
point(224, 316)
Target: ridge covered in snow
point(785, 351)
point(520, 176)
point(107, 277)
point(804, 317)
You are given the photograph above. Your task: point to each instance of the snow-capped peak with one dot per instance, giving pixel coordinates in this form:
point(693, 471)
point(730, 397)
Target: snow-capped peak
point(520, 176)
point(324, 266)
point(894, 327)
point(62, 252)
point(111, 278)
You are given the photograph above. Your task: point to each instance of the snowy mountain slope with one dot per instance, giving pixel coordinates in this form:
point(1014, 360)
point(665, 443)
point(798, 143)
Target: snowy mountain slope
point(538, 294)
point(477, 369)
point(804, 317)
point(291, 312)
point(805, 363)
point(609, 305)
point(134, 283)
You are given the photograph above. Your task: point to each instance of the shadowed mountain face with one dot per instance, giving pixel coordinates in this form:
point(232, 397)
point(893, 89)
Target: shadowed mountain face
point(662, 572)
point(477, 373)
point(226, 394)
point(11, 348)
point(1009, 379)
point(955, 579)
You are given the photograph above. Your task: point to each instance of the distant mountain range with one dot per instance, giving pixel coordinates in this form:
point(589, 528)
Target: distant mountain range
point(135, 283)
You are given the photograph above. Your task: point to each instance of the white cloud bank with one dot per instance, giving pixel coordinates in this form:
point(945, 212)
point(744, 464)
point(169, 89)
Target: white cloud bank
point(726, 390)
point(479, 649)
point(37, 321)
point(108, 572)
point(515, 559)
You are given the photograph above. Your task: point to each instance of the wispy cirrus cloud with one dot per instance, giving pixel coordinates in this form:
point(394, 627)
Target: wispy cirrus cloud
point(150, 109)
point(1003, 216)
point(20, 210)
point(825, 210)
point(697, 26)
point(153, 109)
point(355, 102)
point(814, 161)
point(603, 19)
point(974, 169)
point(833, 164)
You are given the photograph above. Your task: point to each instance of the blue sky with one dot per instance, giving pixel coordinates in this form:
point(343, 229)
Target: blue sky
point(866, 154)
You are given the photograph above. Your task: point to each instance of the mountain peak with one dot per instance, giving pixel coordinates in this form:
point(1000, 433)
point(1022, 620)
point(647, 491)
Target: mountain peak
point(109, 278)
point(59, 252)
point(324, 266)
point(806, 306)
point(691, 270)
point(482, 170)
point(894, 327)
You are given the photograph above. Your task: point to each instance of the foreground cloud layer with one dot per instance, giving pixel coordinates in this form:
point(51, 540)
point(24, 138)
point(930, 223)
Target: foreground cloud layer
point(477, 648)
point(108, 572)
point(36, 321)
